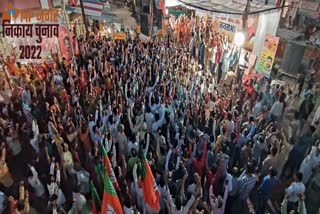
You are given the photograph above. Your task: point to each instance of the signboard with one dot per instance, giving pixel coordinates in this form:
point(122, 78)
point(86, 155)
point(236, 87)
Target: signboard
point(119, 36)
point(267, 55)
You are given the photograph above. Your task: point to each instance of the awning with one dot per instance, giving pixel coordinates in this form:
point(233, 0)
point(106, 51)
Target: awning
point(90, 8)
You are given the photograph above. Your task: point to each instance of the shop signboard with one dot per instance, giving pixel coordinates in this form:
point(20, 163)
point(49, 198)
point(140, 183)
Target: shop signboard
point(119, 36)
point(267, 55)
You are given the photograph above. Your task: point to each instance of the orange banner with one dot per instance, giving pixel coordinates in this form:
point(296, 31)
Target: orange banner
point(119, 36)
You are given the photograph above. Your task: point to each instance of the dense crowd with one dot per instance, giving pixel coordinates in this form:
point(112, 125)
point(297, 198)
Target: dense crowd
point(212, 146)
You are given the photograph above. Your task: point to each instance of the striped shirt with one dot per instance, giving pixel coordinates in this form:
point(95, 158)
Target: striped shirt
point(247, 183)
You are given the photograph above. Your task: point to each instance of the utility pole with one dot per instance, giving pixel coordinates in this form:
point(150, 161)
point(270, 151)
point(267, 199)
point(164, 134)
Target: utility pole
point(84, 19)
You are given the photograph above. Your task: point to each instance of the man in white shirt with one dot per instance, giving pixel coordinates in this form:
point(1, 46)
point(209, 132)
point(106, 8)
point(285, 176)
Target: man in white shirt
point(293, 192)
point(36, 184)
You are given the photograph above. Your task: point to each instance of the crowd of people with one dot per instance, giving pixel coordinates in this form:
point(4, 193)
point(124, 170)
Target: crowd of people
point(214, 144)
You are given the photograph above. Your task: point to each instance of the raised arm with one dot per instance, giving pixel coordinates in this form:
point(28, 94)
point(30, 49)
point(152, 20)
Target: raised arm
point(183, 184)
point(225, 196)
point(168, 160)
point(253, 129)
point(35, 129)
point(193, 154)
point(100, 109)
point(221, 133)
point(135, 176)
point(129, 118)
point(34, 174)
point(212, 198)
point(3, 152)
point(204, 153)
point(147, 146)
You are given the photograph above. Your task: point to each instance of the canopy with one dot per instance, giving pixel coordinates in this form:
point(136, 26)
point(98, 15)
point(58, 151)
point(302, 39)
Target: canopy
point(233, 7)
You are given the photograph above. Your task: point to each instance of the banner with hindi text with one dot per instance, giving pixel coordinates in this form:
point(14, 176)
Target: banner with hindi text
point(228, 26)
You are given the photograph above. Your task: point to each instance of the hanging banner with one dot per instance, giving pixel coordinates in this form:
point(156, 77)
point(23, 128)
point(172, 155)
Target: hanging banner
point(65, 42)
point(252, 24)
point(267, 55)
point(249, 72)
point(227, 26)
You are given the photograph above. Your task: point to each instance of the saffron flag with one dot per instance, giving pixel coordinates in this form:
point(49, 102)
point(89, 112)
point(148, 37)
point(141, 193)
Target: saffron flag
point(110, 199)
point(109, 169)
point(150, 189)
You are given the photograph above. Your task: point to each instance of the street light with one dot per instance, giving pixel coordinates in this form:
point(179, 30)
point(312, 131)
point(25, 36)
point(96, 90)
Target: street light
point(239, 39)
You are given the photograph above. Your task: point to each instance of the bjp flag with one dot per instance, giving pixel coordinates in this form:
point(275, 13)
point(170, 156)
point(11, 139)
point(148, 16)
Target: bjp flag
point(110, 201)
point(150, 189)
point(109, 169)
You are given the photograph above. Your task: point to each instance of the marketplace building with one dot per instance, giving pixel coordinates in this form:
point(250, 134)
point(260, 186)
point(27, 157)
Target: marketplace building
point(160, 106)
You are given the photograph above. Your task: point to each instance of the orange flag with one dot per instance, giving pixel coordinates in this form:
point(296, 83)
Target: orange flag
point(150, 189)
point(110, 198)
point(109, 169)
